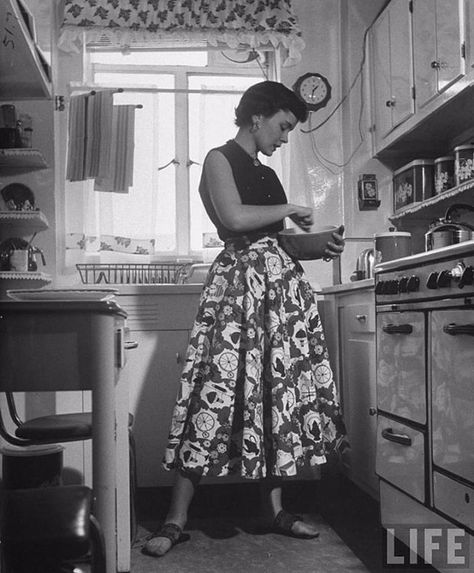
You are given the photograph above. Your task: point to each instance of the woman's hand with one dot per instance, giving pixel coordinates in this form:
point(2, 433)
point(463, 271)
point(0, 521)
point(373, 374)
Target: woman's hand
point(303, 217)
point(334, 248)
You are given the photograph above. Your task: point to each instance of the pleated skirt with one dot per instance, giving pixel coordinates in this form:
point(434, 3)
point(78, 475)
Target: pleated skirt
point(257, 396)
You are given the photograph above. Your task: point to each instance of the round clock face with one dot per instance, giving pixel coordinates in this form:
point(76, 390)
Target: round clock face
point(314, 89)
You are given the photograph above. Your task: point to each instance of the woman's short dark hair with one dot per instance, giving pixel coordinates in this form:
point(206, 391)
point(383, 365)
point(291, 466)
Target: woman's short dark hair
point(267, 98)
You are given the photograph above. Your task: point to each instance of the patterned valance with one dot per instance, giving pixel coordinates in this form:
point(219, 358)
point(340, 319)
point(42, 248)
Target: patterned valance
point(234, 23)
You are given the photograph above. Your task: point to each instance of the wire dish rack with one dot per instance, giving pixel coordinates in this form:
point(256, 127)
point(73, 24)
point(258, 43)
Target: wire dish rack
point(133, 273)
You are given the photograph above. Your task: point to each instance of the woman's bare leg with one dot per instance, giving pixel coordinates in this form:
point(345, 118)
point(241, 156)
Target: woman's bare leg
point(272, 493)
point(182, 495)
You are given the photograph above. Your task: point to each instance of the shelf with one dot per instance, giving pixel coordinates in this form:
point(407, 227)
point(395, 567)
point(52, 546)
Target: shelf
point(22, 159)
point(26, 276)
point(24, 71)
point(436, 206)
point(24, 222)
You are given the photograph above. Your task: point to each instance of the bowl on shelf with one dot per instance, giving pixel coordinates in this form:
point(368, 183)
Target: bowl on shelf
point(306, 246)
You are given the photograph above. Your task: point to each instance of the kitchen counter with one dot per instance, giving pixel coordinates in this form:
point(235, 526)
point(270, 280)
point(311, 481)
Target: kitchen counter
point(356, 285)
point(136, 289)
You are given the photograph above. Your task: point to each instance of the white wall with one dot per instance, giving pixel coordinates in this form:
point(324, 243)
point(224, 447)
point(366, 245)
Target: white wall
point(333, 33)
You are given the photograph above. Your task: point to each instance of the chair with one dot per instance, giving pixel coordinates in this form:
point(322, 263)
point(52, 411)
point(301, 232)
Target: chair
point(63, 428)
point(50, 530)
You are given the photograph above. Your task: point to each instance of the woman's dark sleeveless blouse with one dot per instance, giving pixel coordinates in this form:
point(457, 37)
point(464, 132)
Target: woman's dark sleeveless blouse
point(257, 185)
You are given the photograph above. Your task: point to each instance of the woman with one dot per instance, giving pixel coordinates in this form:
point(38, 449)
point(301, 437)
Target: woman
point(257, 396)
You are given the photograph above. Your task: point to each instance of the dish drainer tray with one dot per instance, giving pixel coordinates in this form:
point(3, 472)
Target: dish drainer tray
point(133, 273)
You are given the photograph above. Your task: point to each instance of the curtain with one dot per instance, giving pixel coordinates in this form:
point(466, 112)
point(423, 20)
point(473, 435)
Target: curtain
point(235, 23)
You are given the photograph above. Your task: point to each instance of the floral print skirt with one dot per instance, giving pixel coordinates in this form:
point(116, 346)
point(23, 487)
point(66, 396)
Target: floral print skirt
point(257, 396)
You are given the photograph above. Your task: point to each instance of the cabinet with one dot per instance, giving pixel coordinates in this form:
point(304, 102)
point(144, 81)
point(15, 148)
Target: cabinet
point(392, 69)
point(437, 47)
point(438, 38)
point(349, 324)
point(161, 324)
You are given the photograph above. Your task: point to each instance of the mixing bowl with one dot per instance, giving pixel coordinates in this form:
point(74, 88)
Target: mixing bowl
point(306, 246)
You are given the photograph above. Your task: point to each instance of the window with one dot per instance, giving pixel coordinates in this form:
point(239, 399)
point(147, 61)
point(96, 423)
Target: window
point(187, 100)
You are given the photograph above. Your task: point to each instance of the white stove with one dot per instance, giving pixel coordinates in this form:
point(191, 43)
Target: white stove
point(425, 403)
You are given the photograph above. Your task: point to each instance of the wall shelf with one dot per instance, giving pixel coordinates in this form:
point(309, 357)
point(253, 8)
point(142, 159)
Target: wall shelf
point(22, 159)
point(436, 206)
point(23, 222)
point(24, 71)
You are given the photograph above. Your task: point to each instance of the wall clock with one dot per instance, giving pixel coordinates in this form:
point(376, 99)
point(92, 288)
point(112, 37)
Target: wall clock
point(314, 89)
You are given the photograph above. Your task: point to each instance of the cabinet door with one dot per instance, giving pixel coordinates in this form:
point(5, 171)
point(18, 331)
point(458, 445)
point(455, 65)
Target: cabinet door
point(153, 371)
point(437, 42)
point(392, 70)
point(358, 391)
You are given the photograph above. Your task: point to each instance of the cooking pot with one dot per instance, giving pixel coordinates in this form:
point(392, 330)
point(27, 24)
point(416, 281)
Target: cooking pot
point(444, 231)
point(391, 245)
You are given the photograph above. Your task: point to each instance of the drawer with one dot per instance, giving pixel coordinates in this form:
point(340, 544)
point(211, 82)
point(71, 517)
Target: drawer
point(160, 311)
point(400, 456)
point(401, 372)
point(454, 499)
point(360, 318)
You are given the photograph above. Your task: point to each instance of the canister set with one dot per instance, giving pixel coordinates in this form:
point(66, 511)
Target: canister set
point(425, 178)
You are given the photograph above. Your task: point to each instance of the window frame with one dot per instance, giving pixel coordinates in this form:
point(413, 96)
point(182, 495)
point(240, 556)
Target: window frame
point(182, 127)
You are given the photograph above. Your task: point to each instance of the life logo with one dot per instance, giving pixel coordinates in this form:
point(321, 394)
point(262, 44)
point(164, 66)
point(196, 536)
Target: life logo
point(425, 546)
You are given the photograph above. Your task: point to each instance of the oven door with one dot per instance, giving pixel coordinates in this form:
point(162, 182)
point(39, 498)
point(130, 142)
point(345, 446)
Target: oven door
point(401, 456)
point(452, 389)
point(401, 374)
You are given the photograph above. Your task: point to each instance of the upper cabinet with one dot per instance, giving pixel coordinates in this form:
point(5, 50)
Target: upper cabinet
point(421, 54)
point(392, 69)
point(24, 72)
point(438, 47)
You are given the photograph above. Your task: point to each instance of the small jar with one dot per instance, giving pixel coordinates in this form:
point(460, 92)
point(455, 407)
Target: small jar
point(464, 163)
point(443, 173)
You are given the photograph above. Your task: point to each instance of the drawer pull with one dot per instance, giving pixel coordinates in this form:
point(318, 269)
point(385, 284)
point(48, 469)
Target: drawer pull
point(130, 344)
point(391, 436)
point(361, 317)
point(397, 328)
point(454, 329)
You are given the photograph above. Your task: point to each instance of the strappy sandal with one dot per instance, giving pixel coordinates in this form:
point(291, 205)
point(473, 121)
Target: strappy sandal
point(284, 522)
point(170, 531)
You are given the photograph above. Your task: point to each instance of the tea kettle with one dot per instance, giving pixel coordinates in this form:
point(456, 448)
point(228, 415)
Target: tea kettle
point(364, 265)
point(446, 231)
point(14, 244)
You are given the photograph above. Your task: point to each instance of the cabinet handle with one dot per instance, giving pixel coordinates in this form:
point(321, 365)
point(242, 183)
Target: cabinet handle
point(454, 329)
point(391, 436)
point(130, 344)
point(435, 65)
point(390, 102)
point(397, 328)
point(178, 358)
point(372, 411)
point(361, 317)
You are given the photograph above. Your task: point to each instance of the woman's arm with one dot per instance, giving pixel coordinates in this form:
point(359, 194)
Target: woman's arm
point(232, 213)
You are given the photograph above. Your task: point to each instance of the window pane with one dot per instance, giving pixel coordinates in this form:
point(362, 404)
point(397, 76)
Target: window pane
point(158, 58)
point(119, 79)
point(211, 124)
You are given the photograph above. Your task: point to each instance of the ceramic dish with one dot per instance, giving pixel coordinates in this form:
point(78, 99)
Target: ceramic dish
point(91, 295)
point(18, 197)
point(306, 246)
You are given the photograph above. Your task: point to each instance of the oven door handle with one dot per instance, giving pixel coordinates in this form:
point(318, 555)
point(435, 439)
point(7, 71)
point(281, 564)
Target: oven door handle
point(454, 329)
point(391, 436)
point(397, 328)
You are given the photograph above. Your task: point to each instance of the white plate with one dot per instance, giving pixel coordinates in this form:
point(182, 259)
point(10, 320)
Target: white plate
point(62, 294)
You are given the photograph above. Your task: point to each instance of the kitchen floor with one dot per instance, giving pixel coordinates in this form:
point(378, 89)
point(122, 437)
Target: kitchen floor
point(226, 535)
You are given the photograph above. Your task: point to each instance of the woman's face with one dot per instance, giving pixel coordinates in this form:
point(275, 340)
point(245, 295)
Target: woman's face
point(274, 130)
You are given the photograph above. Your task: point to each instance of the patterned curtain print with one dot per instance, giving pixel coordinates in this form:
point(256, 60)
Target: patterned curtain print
point(236, 23)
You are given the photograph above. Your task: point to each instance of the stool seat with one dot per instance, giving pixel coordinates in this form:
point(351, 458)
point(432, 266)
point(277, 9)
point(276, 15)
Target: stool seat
point(59, 428)
point(41, 527)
